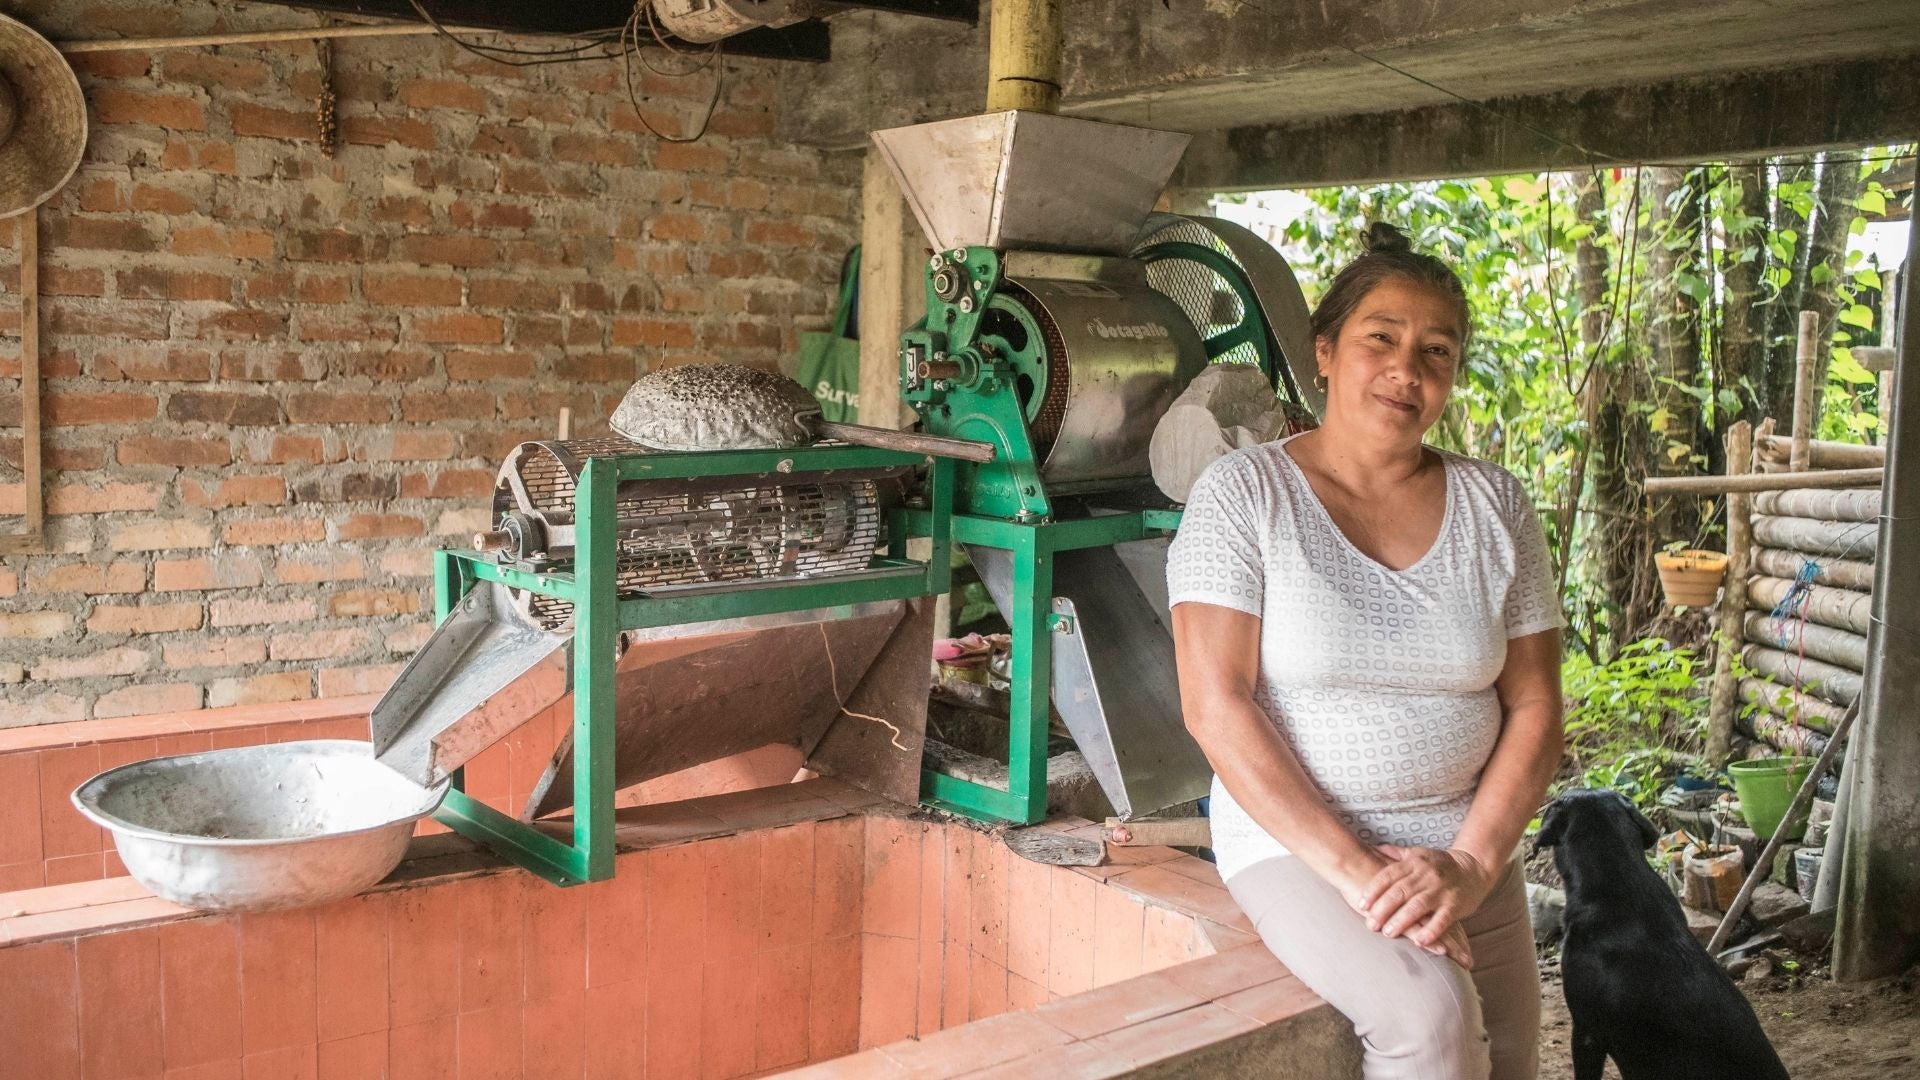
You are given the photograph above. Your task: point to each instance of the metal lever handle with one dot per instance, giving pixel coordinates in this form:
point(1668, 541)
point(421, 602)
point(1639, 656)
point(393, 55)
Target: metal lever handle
point(889, 439)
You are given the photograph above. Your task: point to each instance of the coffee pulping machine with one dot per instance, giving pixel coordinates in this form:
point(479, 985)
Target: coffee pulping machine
point(701, 603)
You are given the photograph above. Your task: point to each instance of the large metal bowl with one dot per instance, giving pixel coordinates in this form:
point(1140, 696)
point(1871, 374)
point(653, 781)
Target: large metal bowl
point(259, 828)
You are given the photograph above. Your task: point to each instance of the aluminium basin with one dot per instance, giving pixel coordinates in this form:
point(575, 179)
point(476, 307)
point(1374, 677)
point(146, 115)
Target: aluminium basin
point(259, 828)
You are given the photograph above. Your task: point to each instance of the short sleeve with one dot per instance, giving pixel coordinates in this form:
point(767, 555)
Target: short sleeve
point(1215, 557)
point(1533, 597)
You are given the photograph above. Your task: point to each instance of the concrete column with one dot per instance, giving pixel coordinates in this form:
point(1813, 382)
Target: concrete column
point(892, 296)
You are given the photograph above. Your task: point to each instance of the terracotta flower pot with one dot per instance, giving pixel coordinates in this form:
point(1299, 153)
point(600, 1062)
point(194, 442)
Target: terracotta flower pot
point(1690, 577)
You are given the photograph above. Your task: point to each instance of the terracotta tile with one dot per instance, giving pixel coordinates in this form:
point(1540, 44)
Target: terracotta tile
point(956, 971)
point(423, 956)
point(1110, 1008)
point(1024, 993)
point(1029, 892)
point(616, 1031)
point(423, 1051)
point(199, 991)
point(24, 875)
point(988, 900)
point(489, 1043)
point(616, 912)
point(931, 983)
point(1119, 921)
point(729, 1017)
point(277, 1007)
point(492, 967)
point(1272, 1002)
point(891, 896)
point(839, 854)
point(227, 738)
point(230, 1069)
point(786, 886)
point(39, 993)
point(63, 831)
point(1197, 869)
point(888, 1003)
point(833, 1018)
point(20, 809)
point(285, 1063)
point(125, 752)
point(871, 1065)
point(1166, 938)
point(956, 933)
point(110, 864)
point(67, 869)
point(1218, 939)
point(676, 951)
point(733, 896)
point(1160, 885)
point(350, 967)
point(554, 1044)
point(1070, 920)
point(76, 896)
point(361, 1057)
point(119, 1027)
point(986, 988)
point(976, 1046)
point(782, 978)
point(119, 916)
point(190, 742)
point(556, 940)
point(1171, 1036)
point(1217, 976)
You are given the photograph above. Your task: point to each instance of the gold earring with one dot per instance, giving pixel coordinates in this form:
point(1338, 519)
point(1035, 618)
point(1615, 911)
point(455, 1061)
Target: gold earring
point(1320, 382)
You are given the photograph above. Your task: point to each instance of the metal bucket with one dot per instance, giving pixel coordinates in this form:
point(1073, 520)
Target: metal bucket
point(259, 828)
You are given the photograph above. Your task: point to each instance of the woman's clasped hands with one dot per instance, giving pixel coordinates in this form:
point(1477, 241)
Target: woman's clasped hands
point(1422, 894)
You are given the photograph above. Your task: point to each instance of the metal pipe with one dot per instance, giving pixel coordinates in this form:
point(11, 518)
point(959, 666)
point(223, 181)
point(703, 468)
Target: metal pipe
point(907, 441)
point(1877, 931)
point(1025, 45)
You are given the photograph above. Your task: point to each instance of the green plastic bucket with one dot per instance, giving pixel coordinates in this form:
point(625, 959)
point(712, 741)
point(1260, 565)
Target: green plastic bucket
point(1766, 787)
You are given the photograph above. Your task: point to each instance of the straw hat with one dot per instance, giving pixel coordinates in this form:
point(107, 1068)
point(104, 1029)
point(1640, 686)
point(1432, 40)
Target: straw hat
point(43, 119)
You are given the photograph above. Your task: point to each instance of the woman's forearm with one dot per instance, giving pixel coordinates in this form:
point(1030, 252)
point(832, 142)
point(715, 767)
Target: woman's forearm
point(1513, 784)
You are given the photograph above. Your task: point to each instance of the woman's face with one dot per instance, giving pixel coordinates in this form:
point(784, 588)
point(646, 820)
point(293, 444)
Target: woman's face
point(1390, 366)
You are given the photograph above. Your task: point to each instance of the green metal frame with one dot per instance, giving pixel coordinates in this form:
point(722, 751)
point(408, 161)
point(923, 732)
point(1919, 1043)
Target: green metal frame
point(600, 613)
point(1031, 623)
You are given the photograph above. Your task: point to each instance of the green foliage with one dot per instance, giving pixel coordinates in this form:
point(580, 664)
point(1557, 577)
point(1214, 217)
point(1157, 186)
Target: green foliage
point(1635, 720)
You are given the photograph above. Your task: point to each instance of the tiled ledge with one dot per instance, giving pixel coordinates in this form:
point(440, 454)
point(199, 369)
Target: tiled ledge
point(81, 732)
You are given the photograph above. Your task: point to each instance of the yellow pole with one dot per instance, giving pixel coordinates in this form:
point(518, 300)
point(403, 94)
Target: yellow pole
point(1023, 56)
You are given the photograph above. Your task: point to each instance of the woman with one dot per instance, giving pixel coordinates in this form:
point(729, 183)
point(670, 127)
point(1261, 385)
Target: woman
point(1367, 632)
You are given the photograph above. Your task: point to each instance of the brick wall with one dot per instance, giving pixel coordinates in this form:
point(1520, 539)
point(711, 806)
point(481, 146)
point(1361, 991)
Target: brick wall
point(276, 381)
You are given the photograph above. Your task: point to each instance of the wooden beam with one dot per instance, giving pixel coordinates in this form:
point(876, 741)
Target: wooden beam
point(31, 464)
point(1780, 481)
point(1723, 698)
point(892, 296)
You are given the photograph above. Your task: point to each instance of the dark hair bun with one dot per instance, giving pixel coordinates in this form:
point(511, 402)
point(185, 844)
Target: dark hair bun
point(1383, 237)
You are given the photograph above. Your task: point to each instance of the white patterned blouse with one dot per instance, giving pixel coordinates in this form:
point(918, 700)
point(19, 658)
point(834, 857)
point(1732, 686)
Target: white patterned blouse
point(1380, 680)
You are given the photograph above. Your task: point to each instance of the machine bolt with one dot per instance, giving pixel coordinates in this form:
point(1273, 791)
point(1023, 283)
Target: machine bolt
point(1023, 515)
point(933, 263)
point(784, 465)
point(979, 286)
point(958, 254)
point(966, 303)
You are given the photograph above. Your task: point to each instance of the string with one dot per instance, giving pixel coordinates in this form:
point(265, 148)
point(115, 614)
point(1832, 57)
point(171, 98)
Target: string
point(833, 678)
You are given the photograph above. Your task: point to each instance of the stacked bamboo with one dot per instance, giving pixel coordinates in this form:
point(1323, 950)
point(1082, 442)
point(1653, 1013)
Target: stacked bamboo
point(1807, 664)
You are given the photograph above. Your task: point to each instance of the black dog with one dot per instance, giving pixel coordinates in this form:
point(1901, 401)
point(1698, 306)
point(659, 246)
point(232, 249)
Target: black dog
point(1639, 986)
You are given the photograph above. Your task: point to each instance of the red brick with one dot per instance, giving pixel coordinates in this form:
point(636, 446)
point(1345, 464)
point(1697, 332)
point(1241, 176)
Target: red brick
point(150, 283)
point(370, 679)
point(465, 366)
point(144, 619)
point(222, 242)
point(653, 333)
point(328, 245)
point(444, 94)
point(383, 130)
point(40, 625)
point(780, 234)
point(583, 149)
point(467, 252)
point(262, 122)
point(327, 407)
point(94, 579)
point(511, 293)
point(165, 450)
point(360, 327)
point(223, 408)
point(95, 663)
point(68, 281)
point(677, 228)
point(139, 319)
point(9, 584)
point(342, 567)
point(317, 644)
point(74, 410)
point(199, 155)
point(235, 491)
point(98, 234)
point(411, 290)
point(461, 329)
point(99, 197)
point(385, 365)
point(169, 364)
point(447, 405)
point(404, 210)
point(202, 652)
point(254, 611)
point(110, 498)
point(689, 157)
point(145, 699)
point(229, 570)
point(112, 65)
point(150, 198)
point(274, 530)
point(203, 67)
point(119, 985)
point(379, 527)
point(448, 484)
point(160, 536)
point(494, 140)
point(736, 124)
point(260, 689)
point(315, 287)
point(363, 602)
point(491, 215)
point(619, 368)
point(296, 450)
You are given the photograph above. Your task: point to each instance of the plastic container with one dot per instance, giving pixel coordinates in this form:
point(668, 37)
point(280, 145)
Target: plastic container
point(1766, 787)
point(1690, 577)
point(1713, 879)
point(1806, 871)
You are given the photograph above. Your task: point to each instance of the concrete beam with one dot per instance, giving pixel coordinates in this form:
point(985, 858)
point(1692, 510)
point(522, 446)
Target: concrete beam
point(1782, 111)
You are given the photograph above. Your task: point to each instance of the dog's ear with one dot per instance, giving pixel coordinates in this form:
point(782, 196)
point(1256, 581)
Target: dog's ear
point(1553, 825)
point(1649, 835)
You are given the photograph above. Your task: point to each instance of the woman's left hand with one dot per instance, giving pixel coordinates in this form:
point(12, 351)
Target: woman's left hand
point(1423, 891)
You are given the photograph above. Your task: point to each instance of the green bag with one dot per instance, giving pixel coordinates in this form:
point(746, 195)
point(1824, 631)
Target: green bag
point(830, 360)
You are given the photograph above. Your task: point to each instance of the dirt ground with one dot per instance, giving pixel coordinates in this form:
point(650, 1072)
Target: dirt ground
point(1822, 1031)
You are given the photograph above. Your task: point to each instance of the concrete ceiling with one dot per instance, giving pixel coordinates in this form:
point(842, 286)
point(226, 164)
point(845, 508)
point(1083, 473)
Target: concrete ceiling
point(1205, 65)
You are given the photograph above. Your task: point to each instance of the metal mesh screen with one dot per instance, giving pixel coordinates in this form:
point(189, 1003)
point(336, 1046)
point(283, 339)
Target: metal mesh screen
point(1208, 301)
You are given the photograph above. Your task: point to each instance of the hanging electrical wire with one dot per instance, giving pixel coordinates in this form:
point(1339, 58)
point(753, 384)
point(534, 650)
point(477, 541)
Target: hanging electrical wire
point(630, 49)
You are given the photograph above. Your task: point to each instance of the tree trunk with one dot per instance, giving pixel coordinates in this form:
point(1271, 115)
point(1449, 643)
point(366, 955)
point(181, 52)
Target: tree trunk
point(1783, 311)
point(1743, 325)
point(1672, 265)
point(1834, 210)
point(1603, 405)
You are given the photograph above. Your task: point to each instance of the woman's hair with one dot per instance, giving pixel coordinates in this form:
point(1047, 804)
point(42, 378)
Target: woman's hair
point(1389, 254)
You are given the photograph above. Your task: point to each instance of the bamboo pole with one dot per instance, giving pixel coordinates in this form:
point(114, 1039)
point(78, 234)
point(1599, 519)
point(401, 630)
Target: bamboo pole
point(1828, 682)
point(265, 37)
point(1723, 700)
point(1841, 648)
point(1024, 51)
point(1840, 573)
point(1842, 609)
point(1847, 539)
point(1824, 453)
point(1803, 365)
point(1861, 504)
point(1777, 481)
point(1790, 704)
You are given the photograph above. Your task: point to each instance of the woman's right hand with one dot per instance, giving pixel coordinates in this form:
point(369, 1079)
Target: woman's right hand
point(1352, 881)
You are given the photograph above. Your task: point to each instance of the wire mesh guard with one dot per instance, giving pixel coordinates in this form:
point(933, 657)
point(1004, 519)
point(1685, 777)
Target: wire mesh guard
point(691, 538)
point(1209, 302)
